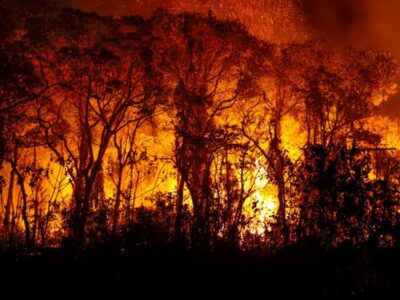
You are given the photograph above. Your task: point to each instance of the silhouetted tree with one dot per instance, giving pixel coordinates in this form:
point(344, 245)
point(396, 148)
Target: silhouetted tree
point(206, 65)
point(104, 87)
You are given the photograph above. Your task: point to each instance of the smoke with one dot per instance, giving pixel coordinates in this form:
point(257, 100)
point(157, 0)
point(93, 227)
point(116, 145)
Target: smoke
point(357, 23)
point(361, 24)
point(340, 21)
point(273, 20)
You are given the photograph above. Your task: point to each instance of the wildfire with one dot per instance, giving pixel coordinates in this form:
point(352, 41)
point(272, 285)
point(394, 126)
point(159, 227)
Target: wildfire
point(188, 99)
point(263, 204)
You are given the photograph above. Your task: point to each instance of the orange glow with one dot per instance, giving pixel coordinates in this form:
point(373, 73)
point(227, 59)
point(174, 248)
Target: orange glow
point(227, 114)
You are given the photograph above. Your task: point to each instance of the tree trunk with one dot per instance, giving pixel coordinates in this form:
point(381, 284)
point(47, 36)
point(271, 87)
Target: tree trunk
point(193, 147)
point(280, 176)
point(195, 172)
point(77, 208)
point(9, 206)
point(282, 210)
point(200, 191)
point(80, 218)
point(24, 210)
point(117, 202)
point(35, 201)
point(132, 214)
point(179, 212)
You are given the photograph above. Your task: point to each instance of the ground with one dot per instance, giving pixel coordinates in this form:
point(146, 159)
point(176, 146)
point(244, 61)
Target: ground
point(149, 271)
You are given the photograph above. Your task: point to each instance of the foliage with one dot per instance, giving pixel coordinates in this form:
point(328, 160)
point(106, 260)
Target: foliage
point(172, 131)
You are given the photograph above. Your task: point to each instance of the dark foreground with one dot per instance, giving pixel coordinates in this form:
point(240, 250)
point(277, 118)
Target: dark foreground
point(154, 271)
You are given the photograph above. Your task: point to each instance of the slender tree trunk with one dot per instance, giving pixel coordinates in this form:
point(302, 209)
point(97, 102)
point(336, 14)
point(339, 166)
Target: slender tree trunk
point(24, 210)
point(280, 177)
point(35, 221)
point(81, 217)
point(200, 191)
point(86, 200)
point(83, 193)
point(77, 208)
point(282, 210)
point(36, 201)
point(179, 212)
point(128, 207)
point(234, 202)
point(9, 206)
point(28, 240)
point(117, 202)
point(132, 216)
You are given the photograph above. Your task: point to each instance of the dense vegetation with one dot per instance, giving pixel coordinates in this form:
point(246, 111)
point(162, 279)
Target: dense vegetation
point(173, 132)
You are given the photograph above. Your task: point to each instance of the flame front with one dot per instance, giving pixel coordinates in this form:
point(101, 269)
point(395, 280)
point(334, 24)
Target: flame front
point(189, 123)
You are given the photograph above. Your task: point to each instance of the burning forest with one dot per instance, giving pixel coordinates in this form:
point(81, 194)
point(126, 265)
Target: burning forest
point(213, 131)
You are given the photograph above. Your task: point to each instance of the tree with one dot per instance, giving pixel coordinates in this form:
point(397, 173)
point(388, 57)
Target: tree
point(21, 85)
point(341, 91)
point(105, 87)
point(206, 64)
point(261, 122)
